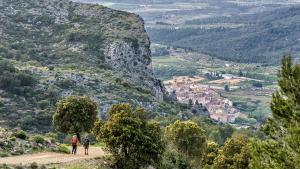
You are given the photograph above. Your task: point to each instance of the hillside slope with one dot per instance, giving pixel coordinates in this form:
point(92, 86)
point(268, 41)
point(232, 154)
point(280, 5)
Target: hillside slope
point(50, 49)
point(261, 37)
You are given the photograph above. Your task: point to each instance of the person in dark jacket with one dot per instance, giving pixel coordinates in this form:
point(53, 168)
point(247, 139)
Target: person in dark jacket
point(86, 144)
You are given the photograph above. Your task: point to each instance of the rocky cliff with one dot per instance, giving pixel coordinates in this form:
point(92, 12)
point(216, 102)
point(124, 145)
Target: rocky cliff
point(56, 48)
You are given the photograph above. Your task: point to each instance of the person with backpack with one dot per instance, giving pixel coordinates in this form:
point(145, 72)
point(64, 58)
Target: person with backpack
point(86, 144)
point(74, 142)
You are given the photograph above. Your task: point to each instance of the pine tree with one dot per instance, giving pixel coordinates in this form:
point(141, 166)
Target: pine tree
point(282, 149)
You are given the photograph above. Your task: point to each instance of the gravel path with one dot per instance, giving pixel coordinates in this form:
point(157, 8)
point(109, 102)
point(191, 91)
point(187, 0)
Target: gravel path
point(52, 158)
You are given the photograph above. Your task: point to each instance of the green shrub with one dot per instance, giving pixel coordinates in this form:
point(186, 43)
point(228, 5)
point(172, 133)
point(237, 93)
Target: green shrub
point(18, 152)
point(51, 68)
point(173, 159)
point(65, 83)
point(21, 135)
point(52, 136)
point(34, 165)
point(39, 139)
point(13, 138)
point(4, 166)
point(26, 123)
point(63, 148)
point(43, 104)
point(4, 154)
point(19, 167)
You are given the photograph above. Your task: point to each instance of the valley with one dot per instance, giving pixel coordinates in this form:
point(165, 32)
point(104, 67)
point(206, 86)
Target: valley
point(242, 91)
point(204, 38)
point(157, 84)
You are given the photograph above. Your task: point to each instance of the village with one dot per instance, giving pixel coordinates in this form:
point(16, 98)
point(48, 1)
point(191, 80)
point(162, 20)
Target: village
point(188, 89)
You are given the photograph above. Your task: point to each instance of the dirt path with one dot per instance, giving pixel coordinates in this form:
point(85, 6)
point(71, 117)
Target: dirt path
point(52, 158)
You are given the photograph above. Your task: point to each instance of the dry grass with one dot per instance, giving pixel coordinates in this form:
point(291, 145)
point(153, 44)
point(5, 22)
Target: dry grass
point(234, 81)
point(185, 79)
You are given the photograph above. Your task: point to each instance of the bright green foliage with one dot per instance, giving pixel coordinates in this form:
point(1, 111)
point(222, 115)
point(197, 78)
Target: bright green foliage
point(234, 154)
point(211, 152)
point(133, 142)
point(97, 128)
point(75, 114)
point(189, 139)
point(63, 149)
point(282, 150)
point(39, 139)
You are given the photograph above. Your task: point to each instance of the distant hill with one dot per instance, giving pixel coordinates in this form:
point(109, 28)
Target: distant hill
point(51, 49)
point(261, 37)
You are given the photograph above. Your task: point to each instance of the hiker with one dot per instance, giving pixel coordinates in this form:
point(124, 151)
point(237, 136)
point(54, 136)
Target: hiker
point(78, 137)
point(86, 144)
point(74, 142)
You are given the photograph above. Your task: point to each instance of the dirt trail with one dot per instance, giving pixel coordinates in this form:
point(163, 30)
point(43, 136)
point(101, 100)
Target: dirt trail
point(52, 158)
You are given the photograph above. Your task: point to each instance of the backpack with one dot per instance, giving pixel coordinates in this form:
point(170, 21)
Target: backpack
point(86, 141)
point(74, 141)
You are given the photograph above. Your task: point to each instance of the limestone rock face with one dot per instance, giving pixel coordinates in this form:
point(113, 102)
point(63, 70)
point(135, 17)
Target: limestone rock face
point(134, 59)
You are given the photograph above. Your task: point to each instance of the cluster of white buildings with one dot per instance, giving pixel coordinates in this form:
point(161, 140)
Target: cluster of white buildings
point(219, 108)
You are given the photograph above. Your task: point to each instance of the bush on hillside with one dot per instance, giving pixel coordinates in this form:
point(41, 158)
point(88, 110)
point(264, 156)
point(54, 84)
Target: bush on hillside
point(39, 139)
point(257, 84)
point(16, 81)
point(13, 138)
point(52, 136)
point(44, 104)
point(21, 135)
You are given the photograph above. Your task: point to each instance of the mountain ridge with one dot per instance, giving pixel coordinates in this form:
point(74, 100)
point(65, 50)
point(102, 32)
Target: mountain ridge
point(68, 48)
point(262, 37)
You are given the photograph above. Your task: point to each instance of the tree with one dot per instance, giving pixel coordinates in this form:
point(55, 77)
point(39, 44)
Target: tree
point(234, 154)
point(257, 84)
point(191, 103)
point(241, 73)
point(189, 139)
point(75, 114)
point(225, 132)
point(226, 88)
point(133, 142)
point(211, 152)
point(173, 159)
point(282, 148)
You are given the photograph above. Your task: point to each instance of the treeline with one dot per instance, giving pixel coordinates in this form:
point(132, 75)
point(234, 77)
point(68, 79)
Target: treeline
point(259, 39)
point(136, 141)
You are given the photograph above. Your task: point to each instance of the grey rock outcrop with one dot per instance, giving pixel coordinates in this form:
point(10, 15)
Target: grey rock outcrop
point(134, 60)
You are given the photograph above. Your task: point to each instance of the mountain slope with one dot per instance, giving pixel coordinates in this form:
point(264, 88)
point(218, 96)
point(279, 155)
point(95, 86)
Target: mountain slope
point(261, 37)
point(50, 49)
